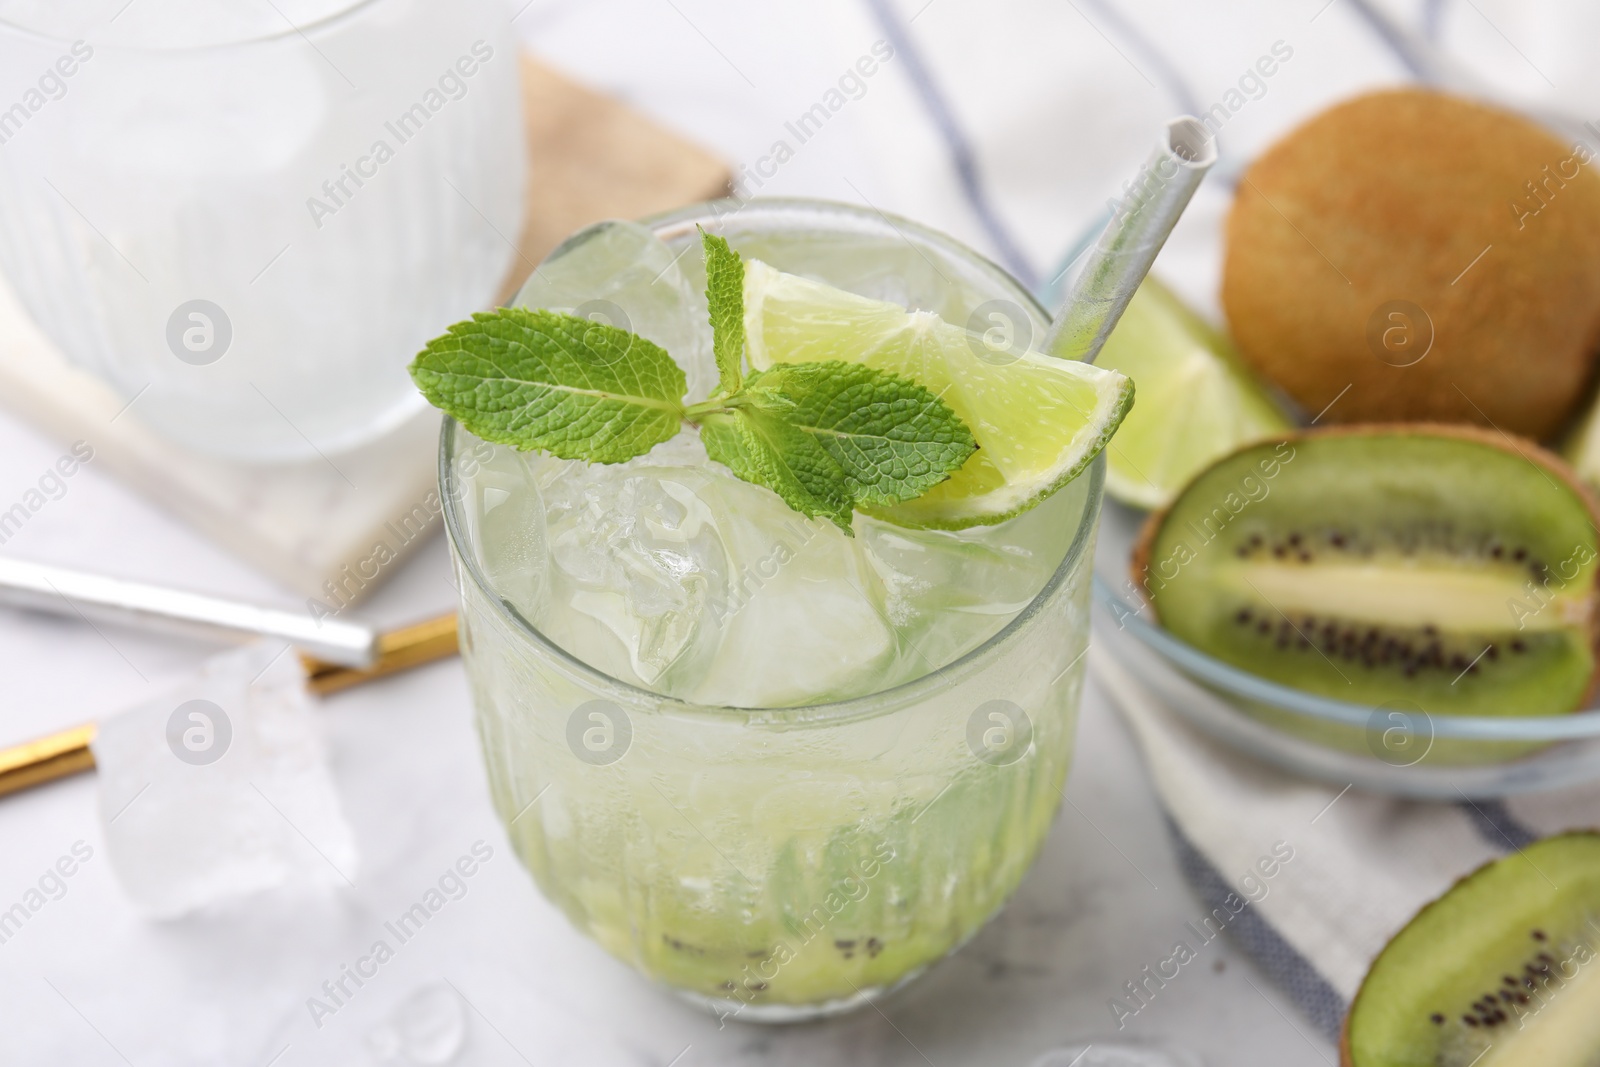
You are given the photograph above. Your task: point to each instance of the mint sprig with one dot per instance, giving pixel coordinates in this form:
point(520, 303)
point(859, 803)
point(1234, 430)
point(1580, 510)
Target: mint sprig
point(830, 437)
point(540, 379)
point(725, 298)
point(880, 438)
point(826, 437)
point(761, 448)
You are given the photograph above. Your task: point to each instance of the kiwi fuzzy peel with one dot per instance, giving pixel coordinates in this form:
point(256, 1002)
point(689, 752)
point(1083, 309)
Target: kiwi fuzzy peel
point(1504, 969)
point(1445, 569)
point(1382, 202)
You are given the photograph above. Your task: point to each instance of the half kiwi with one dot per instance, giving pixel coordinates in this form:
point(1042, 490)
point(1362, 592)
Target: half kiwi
point(1502, 970)
point(1439, 569)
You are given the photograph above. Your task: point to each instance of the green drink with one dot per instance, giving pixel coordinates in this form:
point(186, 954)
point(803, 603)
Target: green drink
point(775, 766)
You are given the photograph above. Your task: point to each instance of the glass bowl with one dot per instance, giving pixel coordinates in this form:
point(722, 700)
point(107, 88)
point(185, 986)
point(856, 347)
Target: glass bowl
point(1396, 748)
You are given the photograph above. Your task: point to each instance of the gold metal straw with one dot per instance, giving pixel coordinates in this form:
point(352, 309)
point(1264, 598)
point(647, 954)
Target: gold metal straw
point(58, 755)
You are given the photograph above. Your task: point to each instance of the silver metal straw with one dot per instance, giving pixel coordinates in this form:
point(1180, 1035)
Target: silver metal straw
point(101, 598)
point(1140, 223)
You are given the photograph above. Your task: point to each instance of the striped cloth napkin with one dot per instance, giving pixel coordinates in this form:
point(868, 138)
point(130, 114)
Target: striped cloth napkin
point(1312, 880)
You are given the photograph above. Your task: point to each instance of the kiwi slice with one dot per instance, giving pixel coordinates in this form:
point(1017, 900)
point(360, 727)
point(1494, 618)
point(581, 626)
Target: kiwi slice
point(1441, 569)
point(1504, 969)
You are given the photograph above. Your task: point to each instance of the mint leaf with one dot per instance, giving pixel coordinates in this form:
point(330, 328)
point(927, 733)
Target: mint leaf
point(892, 439)
point(828, 437)
point(541, 379)
point(725, 297)
point(761, 448)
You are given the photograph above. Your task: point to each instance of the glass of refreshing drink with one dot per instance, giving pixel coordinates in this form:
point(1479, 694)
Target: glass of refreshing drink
point(780, 745)
point(243, 218)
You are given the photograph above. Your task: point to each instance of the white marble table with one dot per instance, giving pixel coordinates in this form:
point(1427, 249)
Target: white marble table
point(87, 981)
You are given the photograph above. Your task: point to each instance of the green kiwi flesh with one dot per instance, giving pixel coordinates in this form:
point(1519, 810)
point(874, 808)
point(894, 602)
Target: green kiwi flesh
point(1430, 568)
point(1502, 970)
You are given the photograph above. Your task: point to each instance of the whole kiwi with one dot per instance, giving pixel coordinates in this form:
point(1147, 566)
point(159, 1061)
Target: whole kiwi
point(1428, 257)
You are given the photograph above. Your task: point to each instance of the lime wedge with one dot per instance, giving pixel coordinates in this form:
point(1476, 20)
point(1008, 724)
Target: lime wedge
point(1038, 420)
point(1582, 448)
point(1196, 401)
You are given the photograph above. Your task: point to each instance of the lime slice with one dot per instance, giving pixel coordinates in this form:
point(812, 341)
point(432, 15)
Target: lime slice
point(1038, 420)
point(1582, 449)
point(1196, 401)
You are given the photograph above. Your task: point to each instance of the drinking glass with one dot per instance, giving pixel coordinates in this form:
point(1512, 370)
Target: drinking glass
point(780, 863)
point(248, 218)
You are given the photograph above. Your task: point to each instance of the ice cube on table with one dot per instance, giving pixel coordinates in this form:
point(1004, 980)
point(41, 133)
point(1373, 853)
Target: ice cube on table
point(428, 1028)
point(622, 274)
point(219, 787)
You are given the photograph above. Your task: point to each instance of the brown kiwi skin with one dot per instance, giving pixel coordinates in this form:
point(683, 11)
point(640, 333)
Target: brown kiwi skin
point(1345, 1057)
point(1551, 463)
point(1390, 196)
